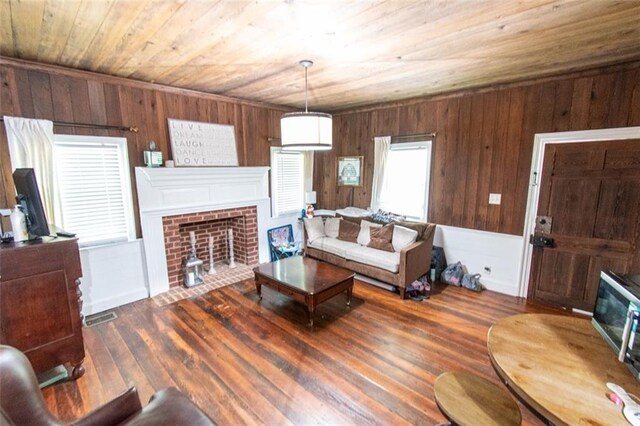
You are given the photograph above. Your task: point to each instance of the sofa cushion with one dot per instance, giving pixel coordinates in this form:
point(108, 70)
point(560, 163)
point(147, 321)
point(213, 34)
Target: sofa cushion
point(333, 246)
point(381, 238)
point(389, 261)
point(403, 237)
point(348, 231)
point(332, 227)
point(315, 228)
point(420, 227)
point(364, 235)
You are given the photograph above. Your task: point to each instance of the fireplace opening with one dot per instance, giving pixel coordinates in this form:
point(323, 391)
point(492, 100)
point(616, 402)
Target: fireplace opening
point(242, 221)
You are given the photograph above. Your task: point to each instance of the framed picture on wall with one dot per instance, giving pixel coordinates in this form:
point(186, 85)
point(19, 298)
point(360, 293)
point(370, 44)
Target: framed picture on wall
point(350, 171)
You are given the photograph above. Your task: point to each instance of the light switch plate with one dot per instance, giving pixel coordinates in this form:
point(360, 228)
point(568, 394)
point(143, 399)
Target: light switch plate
point(495, 198)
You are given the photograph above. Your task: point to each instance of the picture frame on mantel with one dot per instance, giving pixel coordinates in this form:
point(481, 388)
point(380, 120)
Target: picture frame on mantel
point(349, 170)
point(198, 144)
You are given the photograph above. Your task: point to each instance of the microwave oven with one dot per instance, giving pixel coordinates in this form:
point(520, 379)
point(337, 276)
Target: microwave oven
point(617, 314)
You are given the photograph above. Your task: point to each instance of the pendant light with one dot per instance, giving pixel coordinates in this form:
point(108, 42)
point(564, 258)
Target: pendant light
point(306, 131)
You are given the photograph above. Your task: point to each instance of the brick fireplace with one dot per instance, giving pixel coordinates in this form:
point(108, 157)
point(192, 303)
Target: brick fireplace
point(242, 220)
point(207, 200)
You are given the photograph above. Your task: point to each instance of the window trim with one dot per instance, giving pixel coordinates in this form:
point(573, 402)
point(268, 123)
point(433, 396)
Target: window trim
point(127, 187)
point(272, 180)
point(428, 145)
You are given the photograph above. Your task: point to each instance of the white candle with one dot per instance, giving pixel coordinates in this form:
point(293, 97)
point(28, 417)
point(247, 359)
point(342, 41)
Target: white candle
point(232, 263)
point(212, 269)
point(192, 236)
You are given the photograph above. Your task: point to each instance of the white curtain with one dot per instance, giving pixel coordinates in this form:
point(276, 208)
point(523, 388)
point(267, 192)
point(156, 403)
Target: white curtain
point(31, 146)
point(382, 145)
point(308, 171)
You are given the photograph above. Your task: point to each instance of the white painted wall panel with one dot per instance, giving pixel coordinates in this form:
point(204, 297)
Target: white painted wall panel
point(113, 275)
point(477, 249)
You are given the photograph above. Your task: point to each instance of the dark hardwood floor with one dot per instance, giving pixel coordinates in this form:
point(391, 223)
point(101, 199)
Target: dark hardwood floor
point(249, 362)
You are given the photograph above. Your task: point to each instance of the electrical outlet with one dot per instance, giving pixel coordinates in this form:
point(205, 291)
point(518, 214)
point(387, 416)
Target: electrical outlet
point(495, 198)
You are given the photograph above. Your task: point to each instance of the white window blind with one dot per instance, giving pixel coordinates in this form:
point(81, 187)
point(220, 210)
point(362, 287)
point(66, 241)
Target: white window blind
point(406, 187)
point(287, 181)
point(95, 190)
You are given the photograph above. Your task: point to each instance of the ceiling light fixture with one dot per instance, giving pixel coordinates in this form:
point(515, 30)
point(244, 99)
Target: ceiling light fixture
point(306, 131)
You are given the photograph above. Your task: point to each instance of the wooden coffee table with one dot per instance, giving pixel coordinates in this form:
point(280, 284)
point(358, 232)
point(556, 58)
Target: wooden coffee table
point(306, 280)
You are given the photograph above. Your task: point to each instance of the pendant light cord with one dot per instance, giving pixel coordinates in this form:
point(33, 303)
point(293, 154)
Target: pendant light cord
point(305, 89)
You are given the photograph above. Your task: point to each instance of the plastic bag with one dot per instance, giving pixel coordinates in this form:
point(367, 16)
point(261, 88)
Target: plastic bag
point(472, 282)
point(453, 274)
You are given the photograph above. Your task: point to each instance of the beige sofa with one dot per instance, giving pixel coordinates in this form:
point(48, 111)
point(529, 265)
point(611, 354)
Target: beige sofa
point(398, 268)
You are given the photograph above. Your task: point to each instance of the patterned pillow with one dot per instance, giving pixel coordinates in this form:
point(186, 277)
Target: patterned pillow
point(382, 216)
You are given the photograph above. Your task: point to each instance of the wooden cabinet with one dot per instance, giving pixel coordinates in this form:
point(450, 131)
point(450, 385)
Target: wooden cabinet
point(40, 302)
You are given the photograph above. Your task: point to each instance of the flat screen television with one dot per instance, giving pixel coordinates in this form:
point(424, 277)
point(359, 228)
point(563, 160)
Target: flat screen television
point(28, 197)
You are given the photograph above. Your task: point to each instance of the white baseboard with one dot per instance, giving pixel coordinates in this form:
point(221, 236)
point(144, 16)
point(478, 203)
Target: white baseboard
point(503, 287)
point(120, 299)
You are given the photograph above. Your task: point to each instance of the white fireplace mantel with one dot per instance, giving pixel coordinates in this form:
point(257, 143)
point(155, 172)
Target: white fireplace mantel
point(172, 191)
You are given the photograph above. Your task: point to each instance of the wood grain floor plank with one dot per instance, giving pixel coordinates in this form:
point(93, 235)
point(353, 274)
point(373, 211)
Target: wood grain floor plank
point(268, 374)
point(190, 373)
point(142, 347)
point(249, 361)
point(311, 363)
point(127, 365)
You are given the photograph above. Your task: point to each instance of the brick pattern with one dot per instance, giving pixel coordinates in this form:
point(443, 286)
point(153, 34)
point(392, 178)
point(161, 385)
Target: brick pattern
point(243, 221)
point(224, 276)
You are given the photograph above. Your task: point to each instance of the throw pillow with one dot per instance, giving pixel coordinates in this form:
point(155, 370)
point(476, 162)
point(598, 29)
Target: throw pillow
point(419, 227)
point(348, 231)
point(403, 237)
point(332, 227)
point(386, 217)
point(364, 236)
point(381, 238)
point(315, 229)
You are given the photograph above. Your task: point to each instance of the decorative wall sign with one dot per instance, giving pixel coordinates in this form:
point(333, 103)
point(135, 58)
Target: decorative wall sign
point(196, 144)
point(350, 171)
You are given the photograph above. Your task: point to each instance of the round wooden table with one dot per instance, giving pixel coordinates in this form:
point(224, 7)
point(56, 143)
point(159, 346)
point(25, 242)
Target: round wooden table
point(467, 399)
point(560, 366)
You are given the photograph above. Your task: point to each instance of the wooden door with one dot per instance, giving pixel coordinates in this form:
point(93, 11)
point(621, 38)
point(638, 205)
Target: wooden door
point(591, 192)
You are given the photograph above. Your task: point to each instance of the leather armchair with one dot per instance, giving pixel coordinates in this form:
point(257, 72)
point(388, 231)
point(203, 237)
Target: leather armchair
point(21, 402)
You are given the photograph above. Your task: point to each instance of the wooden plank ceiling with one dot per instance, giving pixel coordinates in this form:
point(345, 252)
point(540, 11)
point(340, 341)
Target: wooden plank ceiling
point(365, 51)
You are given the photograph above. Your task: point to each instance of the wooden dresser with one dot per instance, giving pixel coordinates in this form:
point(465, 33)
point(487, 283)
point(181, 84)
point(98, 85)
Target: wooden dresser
point(40, 302)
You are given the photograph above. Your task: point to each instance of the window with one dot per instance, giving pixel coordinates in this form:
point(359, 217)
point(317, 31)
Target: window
point(406, 183)
point(288, 181)
point(94, 187)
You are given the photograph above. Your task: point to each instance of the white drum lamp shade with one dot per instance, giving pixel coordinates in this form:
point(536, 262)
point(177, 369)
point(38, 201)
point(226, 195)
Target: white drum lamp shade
point(306, 131)
point(310, 197)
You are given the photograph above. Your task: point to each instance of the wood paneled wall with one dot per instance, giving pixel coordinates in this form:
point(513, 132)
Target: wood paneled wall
point(54, 93)
point(484, 142)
